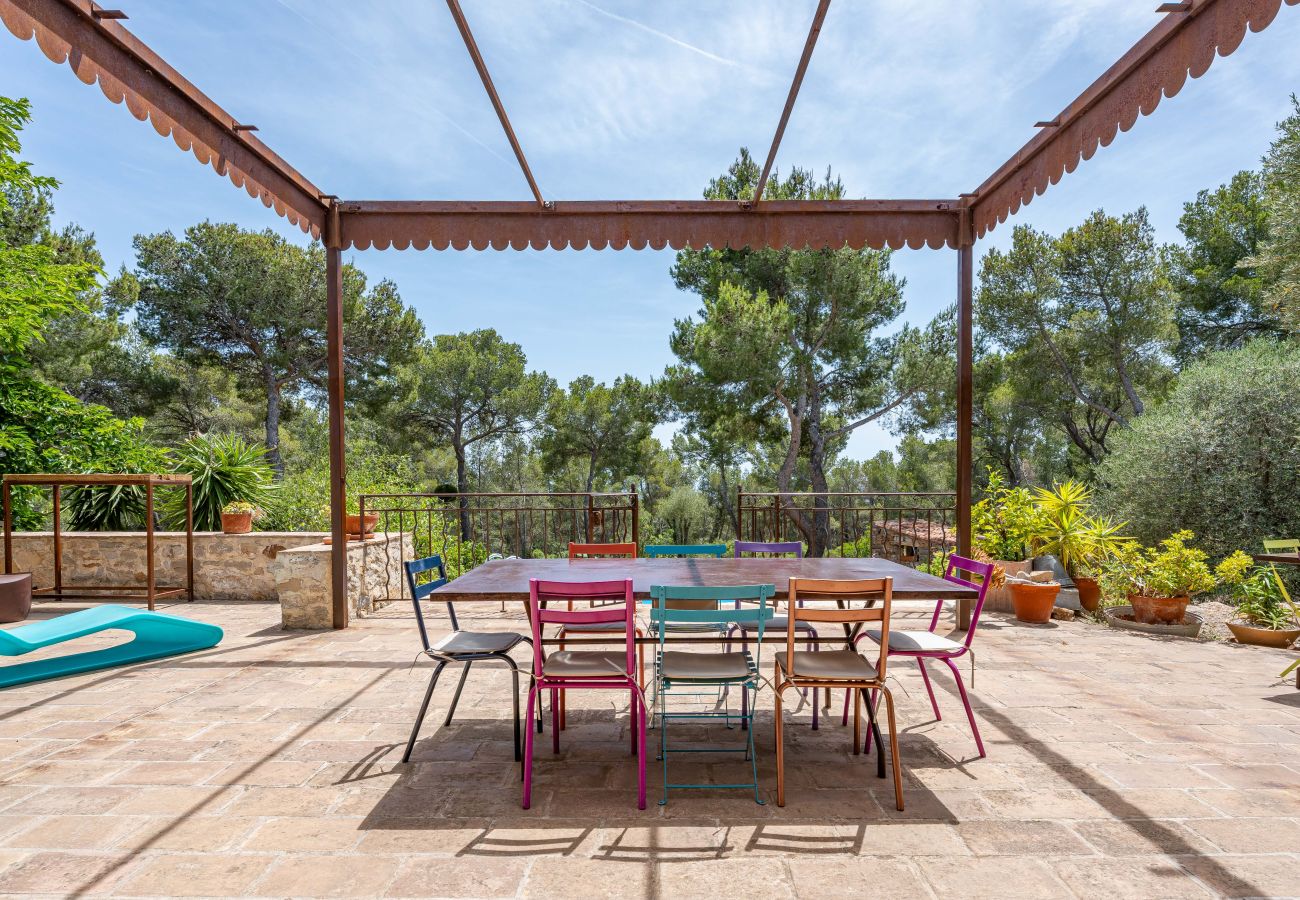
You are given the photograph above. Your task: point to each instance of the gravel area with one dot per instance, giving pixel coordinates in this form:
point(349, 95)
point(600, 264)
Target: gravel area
point(1216, 615)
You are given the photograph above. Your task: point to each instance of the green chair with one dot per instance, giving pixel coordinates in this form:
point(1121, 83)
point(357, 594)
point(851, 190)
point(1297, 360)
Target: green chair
point(156, 635)
point(711, 608)
point(654, 551)
point(1282, 545)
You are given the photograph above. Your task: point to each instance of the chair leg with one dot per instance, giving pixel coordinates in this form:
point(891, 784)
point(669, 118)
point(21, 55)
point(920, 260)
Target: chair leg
point(528, 748)
point(424, 707)
point(558, 696)
point(814, 645)
point(844, 720)
point(639, 720)
point(874, 730)
point(874, 702)
point(893, 749)
point(965, 701)
point(514, 702)
point(634, 709)
point(780, 749)
point(925, 676)
point(857, 722)
point(460, 685)
point(557, 710)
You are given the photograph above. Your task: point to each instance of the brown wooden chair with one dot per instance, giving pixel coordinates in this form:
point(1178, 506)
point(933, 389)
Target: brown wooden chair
point(839, 669)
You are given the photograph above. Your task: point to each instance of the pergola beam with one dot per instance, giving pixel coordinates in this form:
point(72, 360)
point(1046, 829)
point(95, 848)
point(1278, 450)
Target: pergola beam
point(1186, 41)
point(647, 223)
point(99, 49)
point(462, 24)
point(813, 31)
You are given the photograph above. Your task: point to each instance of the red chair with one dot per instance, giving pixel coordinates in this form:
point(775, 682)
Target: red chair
point(566, 670)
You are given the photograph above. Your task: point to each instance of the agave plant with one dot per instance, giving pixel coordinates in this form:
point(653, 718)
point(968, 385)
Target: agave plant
point(225, 469)
point(116, 507)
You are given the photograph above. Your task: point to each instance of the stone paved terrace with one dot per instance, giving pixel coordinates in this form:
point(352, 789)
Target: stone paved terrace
point(1119, 766)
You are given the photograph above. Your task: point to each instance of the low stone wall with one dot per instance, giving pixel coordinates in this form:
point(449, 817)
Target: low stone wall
point(303, 578)
point(292, 567)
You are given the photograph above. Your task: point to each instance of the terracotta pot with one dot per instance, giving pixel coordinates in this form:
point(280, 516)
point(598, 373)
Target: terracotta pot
point(237, 523)
point(352, 524)
point(998, 599)
point(1033, 603)
point(1281, 638)
point(1089, 593)
point(1158, 610)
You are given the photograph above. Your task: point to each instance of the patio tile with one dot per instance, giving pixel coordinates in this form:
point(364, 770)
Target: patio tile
point(306, 833)
point(471, 876)
point(1246, 876)
point(1249, 835)
point(702, 879)
point(1128, 879)
point(63, 873)
point(851, 878)
point(74, 832)
point(330, 876)
point(992, 878)
point(194, 875)
point(1014, 838)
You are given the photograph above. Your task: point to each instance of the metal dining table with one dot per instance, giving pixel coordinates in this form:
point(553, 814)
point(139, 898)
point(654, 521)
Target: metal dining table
point(506, 580)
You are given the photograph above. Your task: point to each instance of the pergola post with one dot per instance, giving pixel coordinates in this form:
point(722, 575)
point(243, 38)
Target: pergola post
point(338, 465)
point(965, 399)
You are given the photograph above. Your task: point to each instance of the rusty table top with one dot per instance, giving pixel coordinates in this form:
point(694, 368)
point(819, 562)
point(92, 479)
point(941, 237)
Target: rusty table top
point(1286, 559)
point(507, 579)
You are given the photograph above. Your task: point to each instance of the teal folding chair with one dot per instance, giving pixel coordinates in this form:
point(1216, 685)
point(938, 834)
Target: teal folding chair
point(675, 670)
point(654, 551)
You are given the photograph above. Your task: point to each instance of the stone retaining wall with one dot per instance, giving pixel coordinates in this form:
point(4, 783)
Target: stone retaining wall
point(292, 567)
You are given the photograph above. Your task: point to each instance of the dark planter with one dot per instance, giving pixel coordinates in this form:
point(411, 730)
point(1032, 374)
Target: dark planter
point(1033, 603)
point(1089, 593)
point(1158, 610)
point(15, 596)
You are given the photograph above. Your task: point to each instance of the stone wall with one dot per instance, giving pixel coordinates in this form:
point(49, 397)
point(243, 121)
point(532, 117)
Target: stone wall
point(292, 567)
point(303, 577)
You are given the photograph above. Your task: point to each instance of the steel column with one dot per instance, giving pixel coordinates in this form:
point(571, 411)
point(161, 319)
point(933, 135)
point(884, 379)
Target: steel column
point(338, 465)
point(965, 402)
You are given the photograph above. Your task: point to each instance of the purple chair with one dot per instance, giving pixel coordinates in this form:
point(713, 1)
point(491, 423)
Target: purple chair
point(565, 670)
point(778, 624)
point(923, 645)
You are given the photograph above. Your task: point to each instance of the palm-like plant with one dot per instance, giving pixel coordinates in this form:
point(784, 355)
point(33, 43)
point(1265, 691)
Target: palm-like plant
point(225, 468)
point(1068, 531)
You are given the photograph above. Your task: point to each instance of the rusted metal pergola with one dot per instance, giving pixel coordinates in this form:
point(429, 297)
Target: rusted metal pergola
point(99, 49)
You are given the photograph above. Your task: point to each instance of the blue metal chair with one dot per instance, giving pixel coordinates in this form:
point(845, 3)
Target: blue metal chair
point(464, 647)
point(702, 608)
point(654, 551)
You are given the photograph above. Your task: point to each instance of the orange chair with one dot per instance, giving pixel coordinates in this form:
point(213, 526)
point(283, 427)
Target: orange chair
point(601, 551)
point(839, 669)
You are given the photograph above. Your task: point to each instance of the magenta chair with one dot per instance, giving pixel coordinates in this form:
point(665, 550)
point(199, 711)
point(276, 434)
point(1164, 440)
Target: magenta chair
point(923, 645)
point(566, 670)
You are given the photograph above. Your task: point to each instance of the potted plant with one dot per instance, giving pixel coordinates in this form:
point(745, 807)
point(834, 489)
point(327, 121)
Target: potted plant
point(1078, 540)
point(1267, 615)
point(237, 517)
point(358, 527)
point(1158, 581)
point(1032, 600)
point(1004, 526)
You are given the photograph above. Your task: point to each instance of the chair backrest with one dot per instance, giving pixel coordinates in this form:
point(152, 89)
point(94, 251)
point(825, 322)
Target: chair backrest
point(420, 591)
point(620, 606)
point(701, 605)
point(1283, 545)
point(968, 573)
point(795, 547)
point(577, 551)
point(654, 551)
point(804, 589)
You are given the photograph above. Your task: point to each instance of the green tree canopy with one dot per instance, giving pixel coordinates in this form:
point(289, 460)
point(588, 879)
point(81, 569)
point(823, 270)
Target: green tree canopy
point(256, 304)
point(1090, 319)
point(602, 428)
point(466, 388)
point(1278, 260)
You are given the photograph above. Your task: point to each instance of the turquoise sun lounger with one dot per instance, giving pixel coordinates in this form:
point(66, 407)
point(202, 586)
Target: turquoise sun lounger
point(156, 635)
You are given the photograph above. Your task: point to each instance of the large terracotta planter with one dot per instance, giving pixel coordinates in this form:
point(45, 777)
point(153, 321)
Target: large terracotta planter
point(998, 599)
point(1281, 638)
point(1158, 610)
point(352, 525)
point(1089, 593)
point(237, 523)
point(1033, 603)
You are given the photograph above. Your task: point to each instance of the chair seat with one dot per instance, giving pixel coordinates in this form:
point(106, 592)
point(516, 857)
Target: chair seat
point(779, 623)
point(466, 642)
point(694, 627)
point(829, 665)
point(679, 666)
point(585, 664)
point(917, 642)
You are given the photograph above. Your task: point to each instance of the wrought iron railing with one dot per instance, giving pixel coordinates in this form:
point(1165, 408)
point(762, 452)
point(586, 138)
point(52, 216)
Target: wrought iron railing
point(465, 529)
point(904, 527)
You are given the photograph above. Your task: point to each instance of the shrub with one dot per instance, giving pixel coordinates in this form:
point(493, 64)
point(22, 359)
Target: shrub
point(225, 469)
point(1219, 456)
point(1173, 569)
point(1006, 522)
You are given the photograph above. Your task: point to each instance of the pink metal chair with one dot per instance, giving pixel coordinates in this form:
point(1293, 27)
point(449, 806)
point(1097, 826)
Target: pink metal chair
point(565, 670)
point(923, 645)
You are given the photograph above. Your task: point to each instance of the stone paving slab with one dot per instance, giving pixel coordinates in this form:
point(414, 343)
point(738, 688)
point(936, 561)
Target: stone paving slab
point(1119, 766)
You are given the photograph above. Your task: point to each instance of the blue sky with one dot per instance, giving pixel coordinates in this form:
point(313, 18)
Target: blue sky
point(624, 100)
